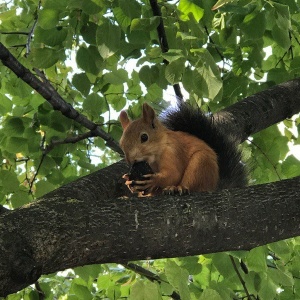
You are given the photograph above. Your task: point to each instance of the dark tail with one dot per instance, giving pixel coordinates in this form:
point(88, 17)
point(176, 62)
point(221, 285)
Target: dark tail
point(185, 118)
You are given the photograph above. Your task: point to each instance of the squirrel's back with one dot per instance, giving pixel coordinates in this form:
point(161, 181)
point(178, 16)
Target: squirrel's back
point(232, 171)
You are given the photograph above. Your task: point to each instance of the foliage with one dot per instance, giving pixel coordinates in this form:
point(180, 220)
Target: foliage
point(102, 56)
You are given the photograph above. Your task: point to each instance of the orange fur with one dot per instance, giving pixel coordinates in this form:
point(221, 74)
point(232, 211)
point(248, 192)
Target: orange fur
point(180, 161)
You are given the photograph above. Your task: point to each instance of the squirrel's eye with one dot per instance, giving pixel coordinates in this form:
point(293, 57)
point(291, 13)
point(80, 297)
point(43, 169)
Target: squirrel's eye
point(144, 137)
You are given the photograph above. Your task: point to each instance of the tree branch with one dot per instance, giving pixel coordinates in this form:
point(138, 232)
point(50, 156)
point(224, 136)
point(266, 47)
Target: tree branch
point(149, 275)
point(33, 28)
point(51, 95)
point(67, 140)
point(261, 110)
point(60, 232)
point(164, 42)
point(240, 277)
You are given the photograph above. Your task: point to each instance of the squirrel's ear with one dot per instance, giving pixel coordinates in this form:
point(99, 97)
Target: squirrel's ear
point(148, 114)
point(124, 119)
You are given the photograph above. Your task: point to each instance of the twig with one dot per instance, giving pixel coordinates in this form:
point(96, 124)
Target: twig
point(40, 291)
point(212, 41)
point(51, 95)
point(266, 156)
point(32, 28)
point(68, 140)
point(36, 174)
point(14, 32)
point(240, 277)
point(164, 42)
point(149, 275)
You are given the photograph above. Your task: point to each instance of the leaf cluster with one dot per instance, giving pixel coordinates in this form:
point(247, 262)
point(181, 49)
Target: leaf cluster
point(103, 56)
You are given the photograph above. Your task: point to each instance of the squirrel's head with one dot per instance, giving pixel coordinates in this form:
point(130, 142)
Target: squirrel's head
point(142, 137)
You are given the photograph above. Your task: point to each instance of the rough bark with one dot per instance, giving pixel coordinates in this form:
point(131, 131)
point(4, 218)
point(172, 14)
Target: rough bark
point(61, 232)
point(261, 110)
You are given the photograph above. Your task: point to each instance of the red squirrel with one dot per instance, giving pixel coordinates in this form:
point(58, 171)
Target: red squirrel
point(183, 157)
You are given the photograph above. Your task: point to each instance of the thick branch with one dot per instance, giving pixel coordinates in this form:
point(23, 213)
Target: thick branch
point(261, 110)
point(62, 232)
point(51, 95)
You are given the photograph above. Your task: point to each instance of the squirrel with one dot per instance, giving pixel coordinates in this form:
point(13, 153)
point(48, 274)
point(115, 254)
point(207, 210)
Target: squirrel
point(185, 151)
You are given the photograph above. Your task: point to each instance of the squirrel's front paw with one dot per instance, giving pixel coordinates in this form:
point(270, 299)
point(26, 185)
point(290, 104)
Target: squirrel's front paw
point(146, 184)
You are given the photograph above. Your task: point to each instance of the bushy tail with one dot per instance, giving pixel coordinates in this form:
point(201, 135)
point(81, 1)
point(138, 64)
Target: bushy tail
point(185, 118)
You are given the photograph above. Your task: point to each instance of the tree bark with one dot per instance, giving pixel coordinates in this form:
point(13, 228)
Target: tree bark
point(261, 110)
point(56, 233)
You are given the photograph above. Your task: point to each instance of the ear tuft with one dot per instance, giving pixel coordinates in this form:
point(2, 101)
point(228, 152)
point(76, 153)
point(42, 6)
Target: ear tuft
point(149, 114)
point(124, 119)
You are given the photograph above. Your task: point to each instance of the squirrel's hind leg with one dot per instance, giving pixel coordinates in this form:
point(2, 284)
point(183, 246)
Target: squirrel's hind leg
point(202, 172)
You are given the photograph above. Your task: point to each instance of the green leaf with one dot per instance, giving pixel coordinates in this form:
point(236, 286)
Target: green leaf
point(47, 165)
point(281, 37)
point(254, 25)
point(94, 105)
point(88, 32)
point(268, 288)
point(117, 101)
point(82, 292)
point(190, 7)
point(17, 87)
point(126, 11)
point(223, 264)
point(283, 17)
point(9, 181)
point(89, 59)
point(191, 263)
point(113, 292)
point(173, 55)
point(116, 77)
point(87, 272)
point(205, 80)
point(48, 18)
point(121, 17)
point(5, 105)
point(281, 276)
point(174, 71)
point(43, 187)
point(57, 5)
point(90, 7)
point(210, 294)
point(81, 83)
point(51, 37)
point(20, 198)
point(44, 57)
point(178, 278)
point(104, 281)
point(256, 260)
point(221, 3)
point(149, 74)
point(145, 291)
point(16, 145)
point(144, 24)
point(154, 93)
point(14, 127)
point(290, 167)
point(108, 38)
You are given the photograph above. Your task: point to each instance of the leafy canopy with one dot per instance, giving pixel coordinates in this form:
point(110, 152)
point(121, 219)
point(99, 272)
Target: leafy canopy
point(102, 56)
